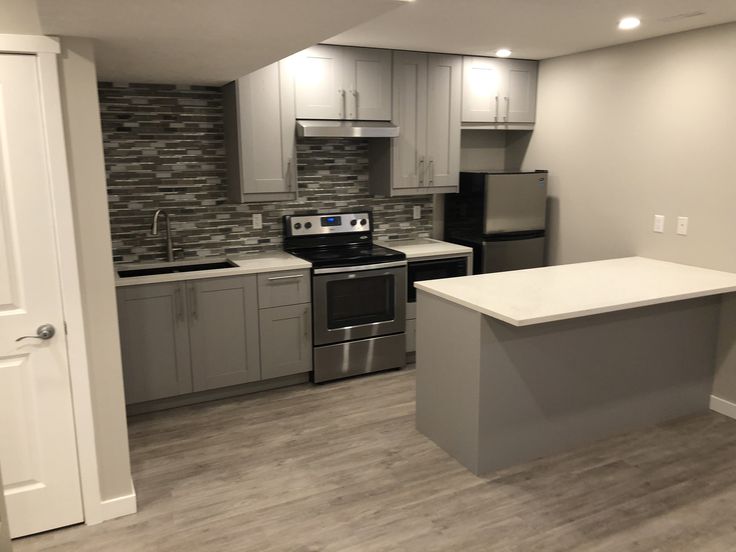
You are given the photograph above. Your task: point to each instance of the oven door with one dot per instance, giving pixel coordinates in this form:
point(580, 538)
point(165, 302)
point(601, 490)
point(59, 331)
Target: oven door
point(358, 302)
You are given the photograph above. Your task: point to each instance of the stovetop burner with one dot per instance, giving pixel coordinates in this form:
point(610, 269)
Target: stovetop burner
point(335, 239)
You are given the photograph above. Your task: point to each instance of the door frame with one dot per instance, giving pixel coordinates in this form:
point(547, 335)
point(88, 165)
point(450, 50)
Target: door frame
point(46, 49)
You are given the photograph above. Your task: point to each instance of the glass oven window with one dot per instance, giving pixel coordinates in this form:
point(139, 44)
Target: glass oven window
point(360, 301)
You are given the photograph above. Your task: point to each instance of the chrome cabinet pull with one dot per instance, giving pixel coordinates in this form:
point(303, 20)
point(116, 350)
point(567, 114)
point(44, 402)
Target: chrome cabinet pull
point(43, 332)
point(192, 296)
point(496, 116)
point(342, 100)
point(288, 174)
point(508, 107)
point(290, 277)
point(355, 104)
point(420, 171)
point(431, 172)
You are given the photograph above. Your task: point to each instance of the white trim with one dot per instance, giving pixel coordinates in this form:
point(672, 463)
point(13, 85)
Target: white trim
point(95, 510)
point(117, 507)
point(28, 44)
point(722, 406)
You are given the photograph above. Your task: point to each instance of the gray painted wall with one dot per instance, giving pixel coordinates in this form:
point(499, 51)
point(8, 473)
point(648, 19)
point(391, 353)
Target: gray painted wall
point(89, 200)
point(639, 129)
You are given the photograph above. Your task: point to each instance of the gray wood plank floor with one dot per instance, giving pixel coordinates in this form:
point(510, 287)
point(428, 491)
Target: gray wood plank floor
point(341, 468)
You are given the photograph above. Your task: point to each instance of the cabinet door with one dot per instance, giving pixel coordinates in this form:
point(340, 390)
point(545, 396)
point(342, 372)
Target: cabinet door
point(482, 84)
point(286, 340)
point(155, 341)
point(320, 92)
point(410, 114)
point(520, 91)
point(266, 143)
point(223, 330)
point(366, 76)
point(444, 82)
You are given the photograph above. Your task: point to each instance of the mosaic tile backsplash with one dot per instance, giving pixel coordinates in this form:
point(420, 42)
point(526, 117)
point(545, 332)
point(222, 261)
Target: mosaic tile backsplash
point(165, 148)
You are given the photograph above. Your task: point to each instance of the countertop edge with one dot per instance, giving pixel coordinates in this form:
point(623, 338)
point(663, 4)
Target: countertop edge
point(569, 315)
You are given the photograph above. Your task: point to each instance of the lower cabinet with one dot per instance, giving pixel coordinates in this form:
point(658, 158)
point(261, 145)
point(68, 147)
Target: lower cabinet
point(223, 331)
point(196, 335)
point(286, 340)
point(154, 337)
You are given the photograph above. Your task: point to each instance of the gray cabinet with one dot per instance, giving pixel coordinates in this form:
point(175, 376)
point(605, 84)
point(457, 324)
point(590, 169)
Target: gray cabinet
point(337, 82)
point(286, 340)
point(260, 135)
point(499, 91)
point(223, 331)
point(425, 157)
point(276, 289)
point(155, 341)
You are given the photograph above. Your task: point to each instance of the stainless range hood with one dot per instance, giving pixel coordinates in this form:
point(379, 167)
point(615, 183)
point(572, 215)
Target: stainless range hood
point(345, 129)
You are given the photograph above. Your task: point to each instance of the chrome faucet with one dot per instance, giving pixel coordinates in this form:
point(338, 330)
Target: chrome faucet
point(154, 232)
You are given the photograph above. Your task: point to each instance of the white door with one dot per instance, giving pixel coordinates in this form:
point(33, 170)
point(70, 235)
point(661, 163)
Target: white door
point(520, 94)
point(320, 92)
point(444, 83)
point(37, 439)
point(410, 115)
point(482, 84)
point(367, 79)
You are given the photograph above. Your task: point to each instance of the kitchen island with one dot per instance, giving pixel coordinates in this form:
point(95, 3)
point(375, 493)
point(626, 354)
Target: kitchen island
point(517, 365)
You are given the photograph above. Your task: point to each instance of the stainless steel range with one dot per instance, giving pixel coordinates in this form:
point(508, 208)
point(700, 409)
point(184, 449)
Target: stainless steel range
point(358, 293)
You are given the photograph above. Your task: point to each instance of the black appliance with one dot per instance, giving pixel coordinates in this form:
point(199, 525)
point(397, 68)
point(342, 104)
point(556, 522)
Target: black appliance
point(433, 270)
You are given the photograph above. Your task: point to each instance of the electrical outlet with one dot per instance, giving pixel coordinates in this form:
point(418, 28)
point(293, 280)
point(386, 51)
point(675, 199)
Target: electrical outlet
point(659, 223)
point(417, 212)
point(257, 221)
point(682, 226)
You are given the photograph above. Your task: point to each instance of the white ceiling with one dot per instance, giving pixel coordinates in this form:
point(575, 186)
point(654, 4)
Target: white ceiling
point(200, 41)
point(532, 29)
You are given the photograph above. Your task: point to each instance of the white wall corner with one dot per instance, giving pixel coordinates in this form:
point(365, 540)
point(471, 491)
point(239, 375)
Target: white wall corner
point(722, 406)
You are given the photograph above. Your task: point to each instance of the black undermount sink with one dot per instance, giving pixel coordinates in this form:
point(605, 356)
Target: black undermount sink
point(155, 270)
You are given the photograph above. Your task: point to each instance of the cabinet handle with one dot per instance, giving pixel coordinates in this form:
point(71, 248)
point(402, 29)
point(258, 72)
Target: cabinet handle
point(192, 296)
point(496, 116)
point(288, 174)
point(179, 304)
point(355, 104)
point(342, 101)
point(508, 106)
point(290, 277)
point(431, 172)
point(306, 322)
point(420, 171)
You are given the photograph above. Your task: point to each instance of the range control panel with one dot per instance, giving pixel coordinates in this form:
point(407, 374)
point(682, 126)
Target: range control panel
point(330, 223)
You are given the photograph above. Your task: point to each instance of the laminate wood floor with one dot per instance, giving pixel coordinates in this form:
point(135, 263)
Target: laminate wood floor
point(340, 467)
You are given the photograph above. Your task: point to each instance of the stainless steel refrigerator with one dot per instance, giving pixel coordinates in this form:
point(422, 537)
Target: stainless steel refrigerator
point(502, 216)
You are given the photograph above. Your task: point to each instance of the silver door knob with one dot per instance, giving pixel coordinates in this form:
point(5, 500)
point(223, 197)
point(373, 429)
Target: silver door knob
point(45, 331)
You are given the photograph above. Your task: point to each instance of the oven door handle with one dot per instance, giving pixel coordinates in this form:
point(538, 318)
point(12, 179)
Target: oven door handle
point(341, 269)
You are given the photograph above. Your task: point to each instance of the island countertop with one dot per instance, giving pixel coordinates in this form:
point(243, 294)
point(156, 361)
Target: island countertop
point(548, 294)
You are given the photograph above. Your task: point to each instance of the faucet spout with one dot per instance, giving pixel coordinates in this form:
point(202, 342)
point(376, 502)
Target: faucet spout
point(169, 240)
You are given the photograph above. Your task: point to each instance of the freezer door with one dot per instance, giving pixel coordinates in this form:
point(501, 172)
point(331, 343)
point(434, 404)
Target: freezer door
point(515, 202)
point(502, 255)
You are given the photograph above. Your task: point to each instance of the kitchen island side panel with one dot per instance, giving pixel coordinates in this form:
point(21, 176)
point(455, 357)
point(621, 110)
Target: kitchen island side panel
point(551, 387)
point(448, 375)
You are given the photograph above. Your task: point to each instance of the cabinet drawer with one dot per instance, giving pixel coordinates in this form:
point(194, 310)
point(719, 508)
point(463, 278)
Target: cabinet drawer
point(276, 289)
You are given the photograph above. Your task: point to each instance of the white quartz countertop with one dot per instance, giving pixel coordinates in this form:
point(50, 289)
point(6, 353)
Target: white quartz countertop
point(425, 248)
point(537, 295)
point(251, 264)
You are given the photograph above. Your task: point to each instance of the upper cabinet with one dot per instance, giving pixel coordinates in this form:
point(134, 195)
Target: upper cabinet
point(336, 82)
point(499, 91)
point(260, 135)
point(425, 157)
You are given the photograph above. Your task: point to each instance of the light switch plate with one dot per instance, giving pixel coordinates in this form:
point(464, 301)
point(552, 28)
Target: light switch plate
point(257, 221)
point(417, 212)
point(682, 226)
point(659, 223)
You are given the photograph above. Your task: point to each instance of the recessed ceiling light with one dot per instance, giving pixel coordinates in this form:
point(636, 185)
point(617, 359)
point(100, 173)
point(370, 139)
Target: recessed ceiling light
point(503, 52)
point(628, 23)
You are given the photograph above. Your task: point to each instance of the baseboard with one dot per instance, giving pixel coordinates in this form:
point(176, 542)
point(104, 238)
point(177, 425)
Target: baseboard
point(722, 406)
point(117, 507)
